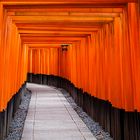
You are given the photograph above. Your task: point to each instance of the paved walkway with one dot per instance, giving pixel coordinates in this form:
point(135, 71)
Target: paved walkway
point(50, 117)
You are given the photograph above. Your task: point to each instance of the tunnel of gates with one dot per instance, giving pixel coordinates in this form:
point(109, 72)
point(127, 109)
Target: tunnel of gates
point(90, 48)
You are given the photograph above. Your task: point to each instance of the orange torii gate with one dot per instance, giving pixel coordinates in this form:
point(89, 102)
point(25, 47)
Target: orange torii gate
point(103, 59)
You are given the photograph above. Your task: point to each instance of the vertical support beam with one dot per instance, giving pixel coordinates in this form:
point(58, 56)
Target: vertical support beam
point(1, 56)
point(135, 51)
point(3, 114)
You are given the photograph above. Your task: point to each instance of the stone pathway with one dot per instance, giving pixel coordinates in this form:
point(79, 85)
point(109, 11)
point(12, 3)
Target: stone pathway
point(51, 117)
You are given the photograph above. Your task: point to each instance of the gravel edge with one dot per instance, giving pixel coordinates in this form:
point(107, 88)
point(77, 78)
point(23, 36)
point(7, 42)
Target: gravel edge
point(17, 124)
point(93, 126)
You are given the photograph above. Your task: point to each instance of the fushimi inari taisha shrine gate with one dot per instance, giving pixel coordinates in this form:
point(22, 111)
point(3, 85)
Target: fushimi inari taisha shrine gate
point(90, 48)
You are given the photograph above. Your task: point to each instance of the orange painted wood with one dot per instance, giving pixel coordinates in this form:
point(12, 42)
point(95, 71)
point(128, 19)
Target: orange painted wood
point(1, 57)
point(103, 57)
point(65, 1)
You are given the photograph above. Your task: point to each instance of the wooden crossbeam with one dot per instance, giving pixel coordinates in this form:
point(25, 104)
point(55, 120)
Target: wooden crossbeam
point(45, 33)
point(64, 1)
point(55, 28)
point(62, 9)
point(64, 19)
point(43, 40)
point(79, 14)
